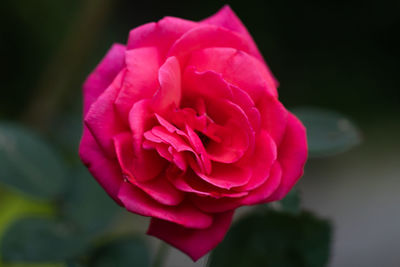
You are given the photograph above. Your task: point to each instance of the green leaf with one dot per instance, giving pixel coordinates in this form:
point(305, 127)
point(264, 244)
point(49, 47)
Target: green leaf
point(328, 132)
point(274, 239)
point(29, 164)
point(40, 240)
point(291, 203)
point(86, 204)
point(128, 251)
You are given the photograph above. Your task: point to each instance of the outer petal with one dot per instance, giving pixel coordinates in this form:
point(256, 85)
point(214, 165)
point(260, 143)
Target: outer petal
point(195, 243)
point(102, 120)
point(292, 155)
point(104, 169)
point(226, 18)
point(137, 201)
point(103, 75)
point(160, 35)
point(237, 67)
point(206, 36)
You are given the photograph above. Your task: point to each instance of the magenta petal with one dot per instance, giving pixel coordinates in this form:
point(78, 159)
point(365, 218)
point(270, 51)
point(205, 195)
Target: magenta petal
point(104, 169)
point(169, 93)
point(292, 155)
point(260, 162)
point(262, 193)
point(139, 165)
point(146, 164)
point(207, 84)
point(102, 120)
point(206, 36)
point(274, 117)
point(226, 18)
point(185, 214)
point(195, 243)
point(160, 35)
point(226, 176)
point(238, 68)
point(141, 78)
point(103, 75)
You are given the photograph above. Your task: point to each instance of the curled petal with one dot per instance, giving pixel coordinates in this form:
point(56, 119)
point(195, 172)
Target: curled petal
point(195, 243)
point(112, 63)
point(169, 93)
point(292, 155)
point(184, 214)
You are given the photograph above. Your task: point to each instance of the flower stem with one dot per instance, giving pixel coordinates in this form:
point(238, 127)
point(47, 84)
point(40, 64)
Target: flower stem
point(161, 255)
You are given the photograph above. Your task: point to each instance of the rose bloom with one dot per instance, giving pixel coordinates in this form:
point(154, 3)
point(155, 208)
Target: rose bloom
point(183, 124)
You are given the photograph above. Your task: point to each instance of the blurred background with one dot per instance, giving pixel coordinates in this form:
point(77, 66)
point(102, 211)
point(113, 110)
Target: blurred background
point(335, 55)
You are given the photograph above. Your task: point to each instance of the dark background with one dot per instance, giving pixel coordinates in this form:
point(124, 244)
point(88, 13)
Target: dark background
point(330, 54)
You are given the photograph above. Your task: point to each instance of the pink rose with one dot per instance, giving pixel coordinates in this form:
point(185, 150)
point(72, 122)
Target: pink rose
point(183, 124)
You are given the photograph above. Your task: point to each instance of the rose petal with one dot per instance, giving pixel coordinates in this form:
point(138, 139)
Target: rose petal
point(195, 243)
point(137, 201)
point(264, 156)
point(104, 169)
point(274, 117)
point(160, 35)
point(205, 36)
point(103, 75)
point(102, 120)
point(169, 93)
point(225, 176)
point(261, 193)
point(146, 164)
point(292, 155)
point(226, 18)
point(237, 67)
point(132, 163)
point(190, 182)
point(141, 79)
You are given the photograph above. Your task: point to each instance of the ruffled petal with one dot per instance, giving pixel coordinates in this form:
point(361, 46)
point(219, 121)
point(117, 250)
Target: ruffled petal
point(185, 214)
point(195, 243)
point(103, 75)
point(292, 155)
point(237, 67)
point(140, 80)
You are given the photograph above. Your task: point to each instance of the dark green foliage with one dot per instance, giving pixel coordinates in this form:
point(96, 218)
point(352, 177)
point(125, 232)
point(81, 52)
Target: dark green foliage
point(41, 240)
point(86, 205)
point(29, 164)
point(128, 251)
point(291, 203)
point(328, 132)
point(274, 239)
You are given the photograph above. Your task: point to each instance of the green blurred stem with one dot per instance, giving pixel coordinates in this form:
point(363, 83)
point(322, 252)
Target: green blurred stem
point(53, 87)
point(161, 255)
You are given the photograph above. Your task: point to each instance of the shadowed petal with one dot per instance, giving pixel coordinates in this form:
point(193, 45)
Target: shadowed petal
point(195, 243)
